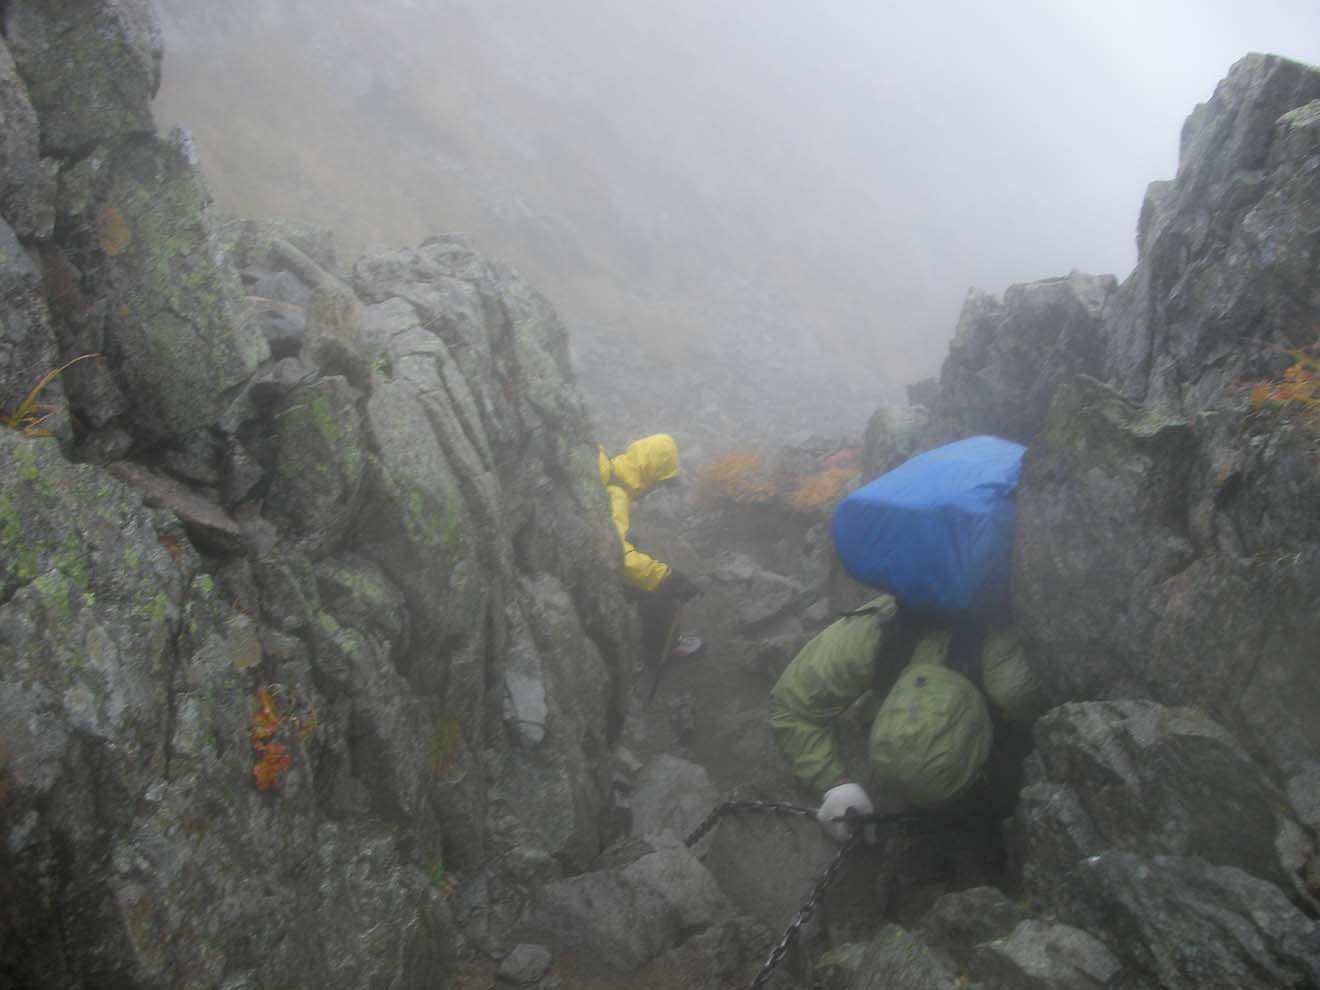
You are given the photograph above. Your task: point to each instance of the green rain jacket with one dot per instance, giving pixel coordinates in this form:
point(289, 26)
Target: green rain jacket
point(933, 730)
point(832, 671)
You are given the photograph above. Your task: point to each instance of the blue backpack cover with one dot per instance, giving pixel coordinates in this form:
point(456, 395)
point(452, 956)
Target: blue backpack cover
point(937, 531)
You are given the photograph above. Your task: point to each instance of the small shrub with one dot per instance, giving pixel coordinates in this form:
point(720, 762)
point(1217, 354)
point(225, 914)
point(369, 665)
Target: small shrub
point(1299, 388)
point(821, 490)
point(29, 414)
point(737, 476)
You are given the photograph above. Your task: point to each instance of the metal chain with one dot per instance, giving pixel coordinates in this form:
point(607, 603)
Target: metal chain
point(761, 807)
point(908, 824)
point(805, 912)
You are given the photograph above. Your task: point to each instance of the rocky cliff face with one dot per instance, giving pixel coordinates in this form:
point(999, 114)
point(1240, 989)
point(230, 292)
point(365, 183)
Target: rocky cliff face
point(1166, 540)
point(309, 601)
point(1167, 551)
point(313, 662)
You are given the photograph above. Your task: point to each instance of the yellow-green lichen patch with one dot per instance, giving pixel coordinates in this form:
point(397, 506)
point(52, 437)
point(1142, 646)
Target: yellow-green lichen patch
point(436, 524)
point(446, 743)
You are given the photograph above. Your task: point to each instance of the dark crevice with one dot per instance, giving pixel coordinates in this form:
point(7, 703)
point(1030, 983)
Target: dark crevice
point(171, 675)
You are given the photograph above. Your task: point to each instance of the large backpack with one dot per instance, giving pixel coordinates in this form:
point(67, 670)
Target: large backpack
point(937, 531)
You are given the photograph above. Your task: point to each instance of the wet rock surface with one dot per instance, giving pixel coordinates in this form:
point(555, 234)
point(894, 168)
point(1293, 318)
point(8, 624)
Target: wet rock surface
point(315, 671)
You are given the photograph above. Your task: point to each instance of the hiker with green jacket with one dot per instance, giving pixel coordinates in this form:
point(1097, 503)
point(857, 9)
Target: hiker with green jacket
point(932, 729)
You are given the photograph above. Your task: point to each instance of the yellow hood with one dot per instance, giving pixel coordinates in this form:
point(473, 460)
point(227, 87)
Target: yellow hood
point(645, 464)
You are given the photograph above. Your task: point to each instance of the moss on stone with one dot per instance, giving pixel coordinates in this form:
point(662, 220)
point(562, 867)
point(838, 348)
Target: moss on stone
point(151, 607)
point(436, 524)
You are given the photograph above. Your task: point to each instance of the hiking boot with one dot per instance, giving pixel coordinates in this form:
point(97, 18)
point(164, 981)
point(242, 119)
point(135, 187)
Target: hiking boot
point(687, 646)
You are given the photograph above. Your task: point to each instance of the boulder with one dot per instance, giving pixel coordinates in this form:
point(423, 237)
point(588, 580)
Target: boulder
point(766, 864)
point(92, 67)
point(622, 923)
point(318, 478)
point(525, 964)
point(1179, 922)
point(1225, 250)
point(893, 434)
point(1039, 955)
point(27, 181)
point(27, 346)
point(675, 874)
point(960, 920)
point(1006, 359)
point(127, 696)
point(1155, 780)
point(898, 960)
point(762, 595)
point(671, 796)
point(1167, 558)
point(157, 298)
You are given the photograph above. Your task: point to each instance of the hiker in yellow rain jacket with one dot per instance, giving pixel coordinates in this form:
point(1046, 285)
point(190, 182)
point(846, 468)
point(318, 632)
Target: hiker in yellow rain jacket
point(657, 588)
point(937, 691)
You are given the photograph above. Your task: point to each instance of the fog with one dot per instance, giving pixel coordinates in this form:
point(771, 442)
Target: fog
point(798, 178)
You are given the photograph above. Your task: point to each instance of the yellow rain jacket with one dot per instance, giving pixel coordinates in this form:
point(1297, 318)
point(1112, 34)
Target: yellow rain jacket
point(645, 464)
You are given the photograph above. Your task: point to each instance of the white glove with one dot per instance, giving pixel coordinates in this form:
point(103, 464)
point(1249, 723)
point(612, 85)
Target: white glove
point(835, 805)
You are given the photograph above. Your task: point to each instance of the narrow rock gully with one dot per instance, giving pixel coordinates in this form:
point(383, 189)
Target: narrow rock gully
point(769, 584)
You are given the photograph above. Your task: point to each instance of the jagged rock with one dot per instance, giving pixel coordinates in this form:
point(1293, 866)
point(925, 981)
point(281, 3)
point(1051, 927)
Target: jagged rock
point(960, 920)
point(288, 591)
point(357, 592)
point(761, 595)
point(710, 960)
point(332, 334)
point(208, 525)
point(1039, 955)
point(557, 790)
point(284, 325)
point(250, 243)
point(196, 458)
point(27, 181)
point(282, 287)
point(671, 795)
point(91, 69)
point(125, 729)
point(1225, 251)
point(1181, 923)
point(676, 875)
point(317, 482)
point(1155, 780)
point(1165, 558)
point(839, 967)
point(525, 964)
point(898, 960)
point(159, 302)
point(1050, 827)
point(1006, 359)
point(766, 864)
point(892, 436)
point(27, 346)
point(621, 922)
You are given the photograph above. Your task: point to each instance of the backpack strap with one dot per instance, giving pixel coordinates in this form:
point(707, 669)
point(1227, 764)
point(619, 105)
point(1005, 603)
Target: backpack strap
point(966, 647)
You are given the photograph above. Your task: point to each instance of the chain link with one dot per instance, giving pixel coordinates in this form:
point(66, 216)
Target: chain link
point(805, 912)
point(907, 824)
point(760, 807)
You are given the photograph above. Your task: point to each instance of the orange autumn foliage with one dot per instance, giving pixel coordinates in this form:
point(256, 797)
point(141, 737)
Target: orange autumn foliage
point(736, 476)
point(822, 489)
point(273, 757)
point(1299, 388)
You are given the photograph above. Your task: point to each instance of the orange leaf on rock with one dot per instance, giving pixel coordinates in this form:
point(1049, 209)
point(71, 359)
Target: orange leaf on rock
point(112, 231)
point(274, 761)
point(265, 720)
